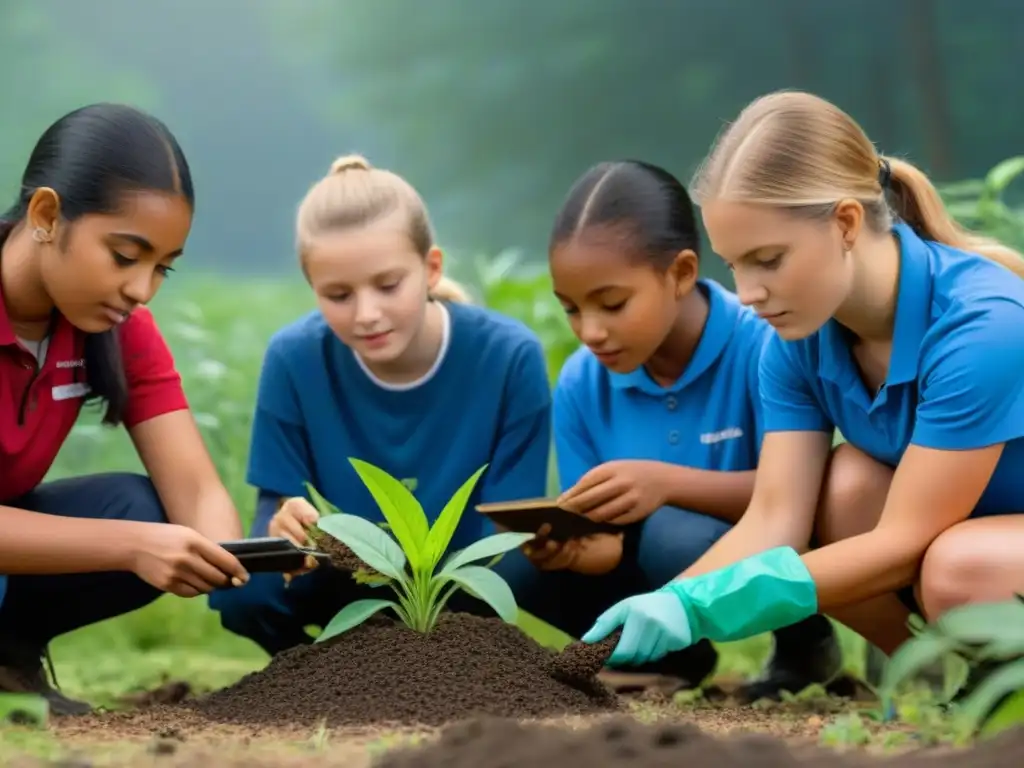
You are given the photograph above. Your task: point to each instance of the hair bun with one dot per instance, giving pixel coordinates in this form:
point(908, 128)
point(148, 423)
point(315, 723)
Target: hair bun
point(350, 163)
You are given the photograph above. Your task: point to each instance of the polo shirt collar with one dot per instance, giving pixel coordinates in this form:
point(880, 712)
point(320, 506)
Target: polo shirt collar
point(913, 309)
point(61, 333)
point(723, 312)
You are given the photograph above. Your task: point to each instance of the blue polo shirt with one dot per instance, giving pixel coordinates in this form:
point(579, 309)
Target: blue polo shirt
point(954, 381)
point(708, 419)
point(487, 401)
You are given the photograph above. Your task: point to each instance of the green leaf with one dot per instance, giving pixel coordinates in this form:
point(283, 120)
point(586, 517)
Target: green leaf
point(911, 658)
point(1009, 714)
point(497, 544)
point(1002, 649)
point(976, 623)
point(23, 709)
point(399, 507)
point(980, 703)
point(323, 506)
point(369, 543)
point(1000, 177)
point(489, 587)
point(352, 615)
point(444, 526)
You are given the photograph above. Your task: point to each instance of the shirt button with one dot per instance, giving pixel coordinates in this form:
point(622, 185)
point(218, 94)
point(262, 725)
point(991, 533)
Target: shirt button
point(673, 437)
point(670, 403)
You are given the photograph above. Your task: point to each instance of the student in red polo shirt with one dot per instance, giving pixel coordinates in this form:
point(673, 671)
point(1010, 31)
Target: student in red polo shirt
point(105, 207)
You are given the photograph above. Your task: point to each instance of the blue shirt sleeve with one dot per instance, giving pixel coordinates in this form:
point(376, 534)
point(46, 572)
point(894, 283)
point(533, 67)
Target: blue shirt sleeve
point(971, 383)
point(788, 403)
point(575, 453)
point(279, 458)
point(518, 467)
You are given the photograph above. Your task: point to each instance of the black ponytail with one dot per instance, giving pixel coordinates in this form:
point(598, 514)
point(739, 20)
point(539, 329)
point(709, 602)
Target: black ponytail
point(640, 201)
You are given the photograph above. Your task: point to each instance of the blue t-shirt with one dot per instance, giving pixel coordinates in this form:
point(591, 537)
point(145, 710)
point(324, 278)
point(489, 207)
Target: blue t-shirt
point(708, 419)
point(955, 378)
point(486, 401)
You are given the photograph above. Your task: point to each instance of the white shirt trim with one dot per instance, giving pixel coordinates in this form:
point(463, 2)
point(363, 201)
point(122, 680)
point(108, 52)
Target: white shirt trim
point(446, 333)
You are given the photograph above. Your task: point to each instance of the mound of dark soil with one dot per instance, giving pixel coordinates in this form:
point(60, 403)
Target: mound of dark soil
point(382, 673)
point(499, 743)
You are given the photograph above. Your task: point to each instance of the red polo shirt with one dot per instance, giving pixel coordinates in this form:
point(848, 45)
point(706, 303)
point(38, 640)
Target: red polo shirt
point(39, 408)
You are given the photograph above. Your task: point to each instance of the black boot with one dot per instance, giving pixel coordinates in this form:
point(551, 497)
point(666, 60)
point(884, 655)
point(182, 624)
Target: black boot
point(676, 671)
point(21, 671)
point(806, 653)
point(691, 666)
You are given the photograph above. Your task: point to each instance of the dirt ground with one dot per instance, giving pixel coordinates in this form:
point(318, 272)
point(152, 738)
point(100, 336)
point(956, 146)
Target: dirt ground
point(480, 693)
point(647, 734)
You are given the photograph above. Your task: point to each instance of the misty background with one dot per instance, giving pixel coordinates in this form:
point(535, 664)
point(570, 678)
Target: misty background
point(492, 108)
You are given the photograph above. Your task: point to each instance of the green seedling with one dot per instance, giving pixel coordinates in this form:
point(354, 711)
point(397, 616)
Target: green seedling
point(987, 636)
point(408, 554)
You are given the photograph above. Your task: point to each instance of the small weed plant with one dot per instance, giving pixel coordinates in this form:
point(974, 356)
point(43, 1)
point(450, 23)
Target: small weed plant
point(989, 637)
point(407, 552)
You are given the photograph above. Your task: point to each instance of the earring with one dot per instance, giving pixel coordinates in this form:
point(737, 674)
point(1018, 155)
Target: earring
point(41, 235)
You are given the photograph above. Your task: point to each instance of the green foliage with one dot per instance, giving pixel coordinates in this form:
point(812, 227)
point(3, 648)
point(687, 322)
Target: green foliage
point(523, 291)
point(408, 557)
point(979, 204)
point(24, 709)
point(989, 637)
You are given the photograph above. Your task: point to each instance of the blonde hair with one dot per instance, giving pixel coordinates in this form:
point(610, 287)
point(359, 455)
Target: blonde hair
point(353, 194)
point(798, 151)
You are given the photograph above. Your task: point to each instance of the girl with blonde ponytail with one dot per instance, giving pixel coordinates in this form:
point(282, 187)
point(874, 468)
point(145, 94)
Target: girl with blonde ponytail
point(396, 367)
point(894, 326)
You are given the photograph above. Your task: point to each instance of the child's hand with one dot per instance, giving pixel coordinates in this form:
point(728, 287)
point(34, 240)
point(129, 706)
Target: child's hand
point(590, 555)
point(292, 519)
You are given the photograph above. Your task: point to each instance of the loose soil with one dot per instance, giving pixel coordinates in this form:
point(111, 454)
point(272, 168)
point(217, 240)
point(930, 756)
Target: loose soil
point(464, 689)
point(621, 741)
point(384, 675)
point(608, 741)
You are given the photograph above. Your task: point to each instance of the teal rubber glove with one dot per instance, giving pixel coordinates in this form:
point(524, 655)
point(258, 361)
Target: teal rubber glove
point(761, 593)
point(653, 624)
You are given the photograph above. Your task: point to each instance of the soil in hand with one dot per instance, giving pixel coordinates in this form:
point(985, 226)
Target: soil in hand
point(382, 673)
point(621, 741)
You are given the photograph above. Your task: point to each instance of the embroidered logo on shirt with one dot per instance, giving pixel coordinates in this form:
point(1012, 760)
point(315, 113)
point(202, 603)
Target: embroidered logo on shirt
point(731, 433)
point(71, 363)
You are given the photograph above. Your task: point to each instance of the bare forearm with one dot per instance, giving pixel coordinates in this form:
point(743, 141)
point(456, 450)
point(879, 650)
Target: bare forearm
point(862, 567)
point(209, 511)
point(36, 543)
point(725, 495)
point(752, 535)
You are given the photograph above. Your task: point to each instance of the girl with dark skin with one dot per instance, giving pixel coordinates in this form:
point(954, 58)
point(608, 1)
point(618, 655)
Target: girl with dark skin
point(656, 418)
point(104, 210)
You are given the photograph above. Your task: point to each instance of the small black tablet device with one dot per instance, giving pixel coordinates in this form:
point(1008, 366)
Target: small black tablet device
point(528, 515)
point(271, 554)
